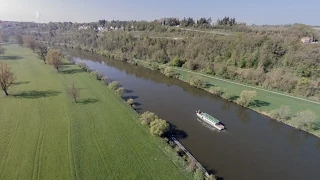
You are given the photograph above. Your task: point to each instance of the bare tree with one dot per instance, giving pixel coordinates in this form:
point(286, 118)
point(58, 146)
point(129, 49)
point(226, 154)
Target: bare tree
point(74, 92)
point(31, 43)
point(7, 78)
point(54, 58)
point(42, 52)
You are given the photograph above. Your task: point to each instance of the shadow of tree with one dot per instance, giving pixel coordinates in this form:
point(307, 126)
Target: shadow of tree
point(71, 71)
point(175, 132)
point(233, 98)
point(258, 103)
point(21, 82)
point(128, 91)
point(36, 94)
point(10, 57)
point(89, 101)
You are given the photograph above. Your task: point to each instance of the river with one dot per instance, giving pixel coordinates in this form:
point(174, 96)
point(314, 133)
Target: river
point(253, 147)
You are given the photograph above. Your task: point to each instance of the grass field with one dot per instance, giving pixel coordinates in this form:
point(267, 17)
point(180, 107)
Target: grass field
point(266, 100)
point(45, 135)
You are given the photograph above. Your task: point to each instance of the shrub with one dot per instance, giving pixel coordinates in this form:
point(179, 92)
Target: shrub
point(120, 91)
point(147, 117)
point(283, 113)
point(98, 75)
point(197, 82)
point(105, 79)
point(114, 85)
point(130, 101)
point(176, 62)
point(217, 91)
point(211, 177)
point(305, 120)
point(170, 73)
point(246, 97)
point(84, 67)
point(158, 127)
point(198, 175)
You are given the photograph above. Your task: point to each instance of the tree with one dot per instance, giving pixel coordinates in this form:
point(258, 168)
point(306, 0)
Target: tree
point(147, 117)
point(120, 91)
point(159, 127)
point(283, 113)
point(19, 39)
point(177, 62)
point(114, 85)
point(54, 58)
point(246, 97)
point(74, 92)
point(305, 119)
point(197, 82)
point(192, 165)
point(130, 101)
point(211, 177)
point(198, 175)
point(42, 52)
point(4, 36)
point(7, 78)
point(1, 49)
point(303, 86)
point(31, 43)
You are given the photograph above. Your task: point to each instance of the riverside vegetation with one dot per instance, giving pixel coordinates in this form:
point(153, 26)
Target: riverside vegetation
point(269, 57)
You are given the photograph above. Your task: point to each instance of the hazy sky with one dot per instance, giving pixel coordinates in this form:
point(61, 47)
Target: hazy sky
point(249, 11)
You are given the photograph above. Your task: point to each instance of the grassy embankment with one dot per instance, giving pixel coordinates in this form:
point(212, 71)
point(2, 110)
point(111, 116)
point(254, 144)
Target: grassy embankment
point(45, 135)
point(265, 101)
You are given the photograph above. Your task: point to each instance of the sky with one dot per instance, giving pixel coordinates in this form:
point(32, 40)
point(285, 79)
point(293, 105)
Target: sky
point(248, 11)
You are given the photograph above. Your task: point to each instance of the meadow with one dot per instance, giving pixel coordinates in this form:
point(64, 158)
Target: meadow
point(45, 135)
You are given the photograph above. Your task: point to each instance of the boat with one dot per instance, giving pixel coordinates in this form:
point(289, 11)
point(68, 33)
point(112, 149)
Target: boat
point(210, 120)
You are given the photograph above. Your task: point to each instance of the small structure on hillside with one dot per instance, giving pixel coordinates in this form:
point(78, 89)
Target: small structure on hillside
point(305, 40)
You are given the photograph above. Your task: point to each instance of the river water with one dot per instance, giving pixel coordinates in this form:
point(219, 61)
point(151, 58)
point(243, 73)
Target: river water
point(253, 147)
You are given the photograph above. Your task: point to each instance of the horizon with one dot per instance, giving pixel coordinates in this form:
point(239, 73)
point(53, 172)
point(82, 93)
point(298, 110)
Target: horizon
point(248, 11)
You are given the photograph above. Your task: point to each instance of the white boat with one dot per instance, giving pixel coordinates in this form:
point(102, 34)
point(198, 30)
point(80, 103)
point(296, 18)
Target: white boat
point(210, 120)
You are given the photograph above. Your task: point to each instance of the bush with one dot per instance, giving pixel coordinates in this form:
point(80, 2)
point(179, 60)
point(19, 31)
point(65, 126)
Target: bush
point(283, 113)
point(158, 127)
point(176, 62)
point(120, 91)
point(147, 117)
point(211, 177)
point(98, 75)
point(105, 79)
point(305, 120)
point(130, 101)
point(84, 67)
point(217, 91)
point(198, 175)
point(197, 82)
point(170, 73)
point(246, 97)
point(114, 85)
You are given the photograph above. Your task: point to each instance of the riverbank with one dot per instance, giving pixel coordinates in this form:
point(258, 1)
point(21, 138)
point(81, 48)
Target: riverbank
point(265, 102)
point(46, 135)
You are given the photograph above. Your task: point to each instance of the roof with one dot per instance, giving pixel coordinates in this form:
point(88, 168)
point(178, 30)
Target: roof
point(306, 38)
point(211, 118)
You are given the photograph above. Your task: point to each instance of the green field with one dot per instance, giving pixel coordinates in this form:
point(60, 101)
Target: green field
point(266, 100)
point(45, 135)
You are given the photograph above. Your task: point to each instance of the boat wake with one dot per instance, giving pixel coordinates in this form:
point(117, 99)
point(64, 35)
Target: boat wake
point(210, 127)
